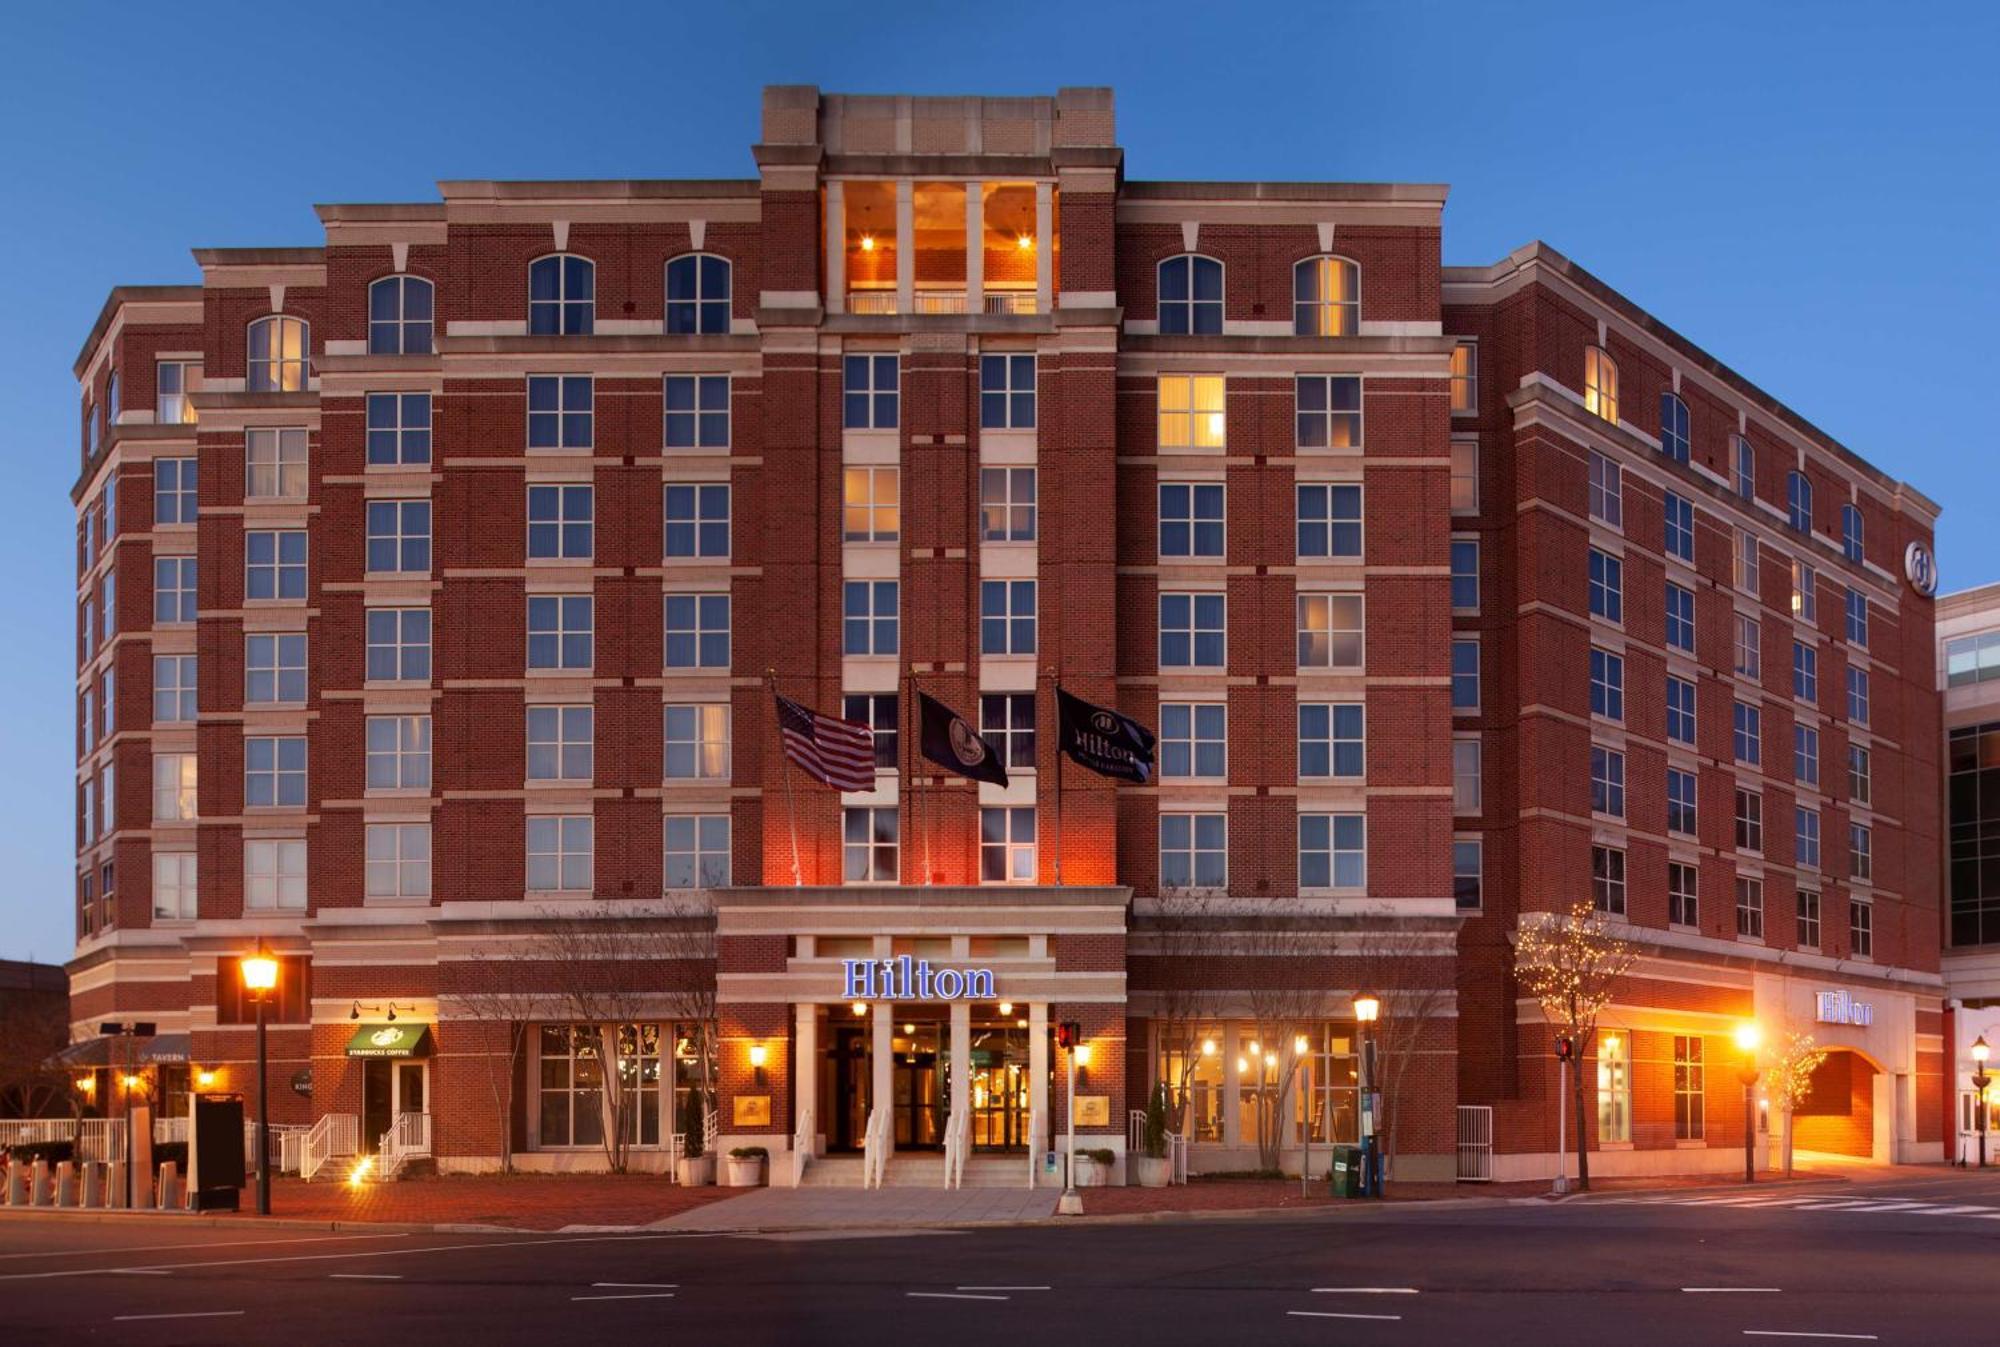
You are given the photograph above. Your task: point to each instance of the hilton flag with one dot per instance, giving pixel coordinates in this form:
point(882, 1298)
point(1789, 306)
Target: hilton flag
point(949, 741)
point(1104, 741)
point(838, 753)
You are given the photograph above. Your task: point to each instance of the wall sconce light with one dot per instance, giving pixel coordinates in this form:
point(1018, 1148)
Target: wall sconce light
point(757, 1058)
point(204, 1079)
point(860, 1009)
point(1006, 1007)
point(867, 243)
point(1301, 1045)
point(132, 1083)
point(86, 1083)
point(1021, 1023)
point(1208, 1047)
point(354, 1011)
point(1082, 1053)
point(1025, 242)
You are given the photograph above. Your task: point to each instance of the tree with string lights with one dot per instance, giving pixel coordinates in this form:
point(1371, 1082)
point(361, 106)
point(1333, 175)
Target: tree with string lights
point(1571, 962)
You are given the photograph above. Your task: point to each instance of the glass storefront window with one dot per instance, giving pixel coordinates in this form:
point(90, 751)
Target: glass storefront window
point(1614, 1087)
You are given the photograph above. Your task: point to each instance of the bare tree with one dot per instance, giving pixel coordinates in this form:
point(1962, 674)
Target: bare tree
point(1181, 936)
point(685, 942)
point(598, 973)
point(1788, 1079)
point(1287, 998)
point(502, 992)
point(1571, 962)
point(1409, 965)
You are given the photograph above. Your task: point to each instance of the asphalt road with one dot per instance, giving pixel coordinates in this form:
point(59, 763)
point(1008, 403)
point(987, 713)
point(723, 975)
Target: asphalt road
point(1916, 1262)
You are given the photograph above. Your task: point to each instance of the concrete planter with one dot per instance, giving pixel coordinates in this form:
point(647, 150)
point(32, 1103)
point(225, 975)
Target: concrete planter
point(743, 1173)
point(1092, 1173)
point(1155, 1171)
point(695, 1171)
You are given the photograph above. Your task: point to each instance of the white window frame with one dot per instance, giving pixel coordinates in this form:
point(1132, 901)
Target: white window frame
point(1182, 427)
point(275, 463)
point(176, 886)
point(692, 429)
point(1015, 852)
point(403, 872)
point(704, 737)
point(702, 850)
point(1345, 627)
point(1193, 851)
point(555, 537)
point(862, 503)
point(1192, 517)
point(560, 731)
point(706, 603)
point(1193, 740)
point(274, 874)
point(1336, 854)
point(696, 511)
point(564, 841)
point(1008, 493)
point(265, 655)
point(176, 795)
point(1467, 774)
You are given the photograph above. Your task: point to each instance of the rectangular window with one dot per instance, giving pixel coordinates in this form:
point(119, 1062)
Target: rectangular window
point(561, 521)
point(1607, 781)
point(1468, 874)
point(173, 590)
point(696, 851)
point(1607, 586)
point(1193, 631)
point(1857, 619)
point(1465, 677)
point(1007, 720)
point(173, 403)
point(1607, 490)
point(173, 787)
point(1681, 802)
point(1749, 908)
point(1860, 782)
point(1464, 477)
point(560, 631)
point(870, 843)
point(175, 896)
point(696, 411)
point(1329, 518)
point(1808, 922)
point(1614, 1089)
point(561, 740)
point(1679, 513)
point(697, 740)
point(399, 537)
point(1805, 592)
point(1331, 743)
point(1007, 619)
point(1333, 851)
point(560, 853)
point(398, 861)
point(560, 411)
point(399, 429)
point(1746, 563)
point(1607, 684)
point(399, 644)
point(1860, 927)
point(1857, 695)
point(871, 505)
point(1329, 411)
point(175, 491)
point(1006, 505)
point(697, 629)
point(1680, 710)
point(274, 564)
point(870, 392)
point(1191, 411)
point(879, 711)
point(1007, 844)
point(274, 669)
point(1805, 755)
point(1194, 740)
point(1749, 647)
point(174, 689)
point(1330, 630)
point(1805, 824)
point(1749, 820)
point(1194, 851)
point(1861, 852)
point(1689, 1089)
point(274, 771)
point(568, 1072)
point(1007, 392)
point(1191, 519)
point(274, 874)
point(1683, 895)
point(275, 464)
point(696, 516)
point(1607, 880)
point(1466, 785)
point(1465, 575)
point(1465, 378)
point(1805, 672)
point(1680, 617)
point(1748, 733)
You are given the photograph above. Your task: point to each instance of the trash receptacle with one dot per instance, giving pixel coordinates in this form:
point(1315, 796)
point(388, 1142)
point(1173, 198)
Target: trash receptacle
point(1345, 1176)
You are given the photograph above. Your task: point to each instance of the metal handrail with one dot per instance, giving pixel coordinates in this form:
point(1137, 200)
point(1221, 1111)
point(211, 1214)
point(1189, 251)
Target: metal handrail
point(802, 1145)
point(1036, 1122)
point(332, 1136)
point(874, 1160)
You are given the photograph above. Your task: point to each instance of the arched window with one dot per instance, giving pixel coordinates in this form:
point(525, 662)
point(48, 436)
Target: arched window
point(278, 349)
point(1743, 463)
point(1852, 533)
point(698, 293)
point(1600, 383)
point(1673, 428)
point(562, 295)
point(1326, 297)
point(400, 312)
point(1190, 295)
point(1798, 501)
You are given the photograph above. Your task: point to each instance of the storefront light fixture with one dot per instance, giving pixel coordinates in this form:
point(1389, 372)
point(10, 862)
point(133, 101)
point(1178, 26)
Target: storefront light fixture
point(1981, 1050)
point(133, 1082)
point(86, 1083)
point(1748, 1036)
point(1208, 1047)
point(1301, 1045)
point(1255, 1049)
point(1242, 1066)
point(1025, 242)
point(867, 243)
point(860, 1008)
point(1006, 1008)
point(204, 1079)
point(758, 1055)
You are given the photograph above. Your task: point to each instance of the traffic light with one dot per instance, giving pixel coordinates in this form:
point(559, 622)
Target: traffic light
point(1068, 1034)
point(1565, 1048)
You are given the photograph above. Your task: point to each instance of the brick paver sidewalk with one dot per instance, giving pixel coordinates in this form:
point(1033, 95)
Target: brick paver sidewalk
point(522, 1201)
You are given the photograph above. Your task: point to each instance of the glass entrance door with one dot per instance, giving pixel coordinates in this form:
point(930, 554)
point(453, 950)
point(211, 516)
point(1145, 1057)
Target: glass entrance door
point(378, 1101)
point(999, 1088)
point(845, 1088)
point(921, 1090)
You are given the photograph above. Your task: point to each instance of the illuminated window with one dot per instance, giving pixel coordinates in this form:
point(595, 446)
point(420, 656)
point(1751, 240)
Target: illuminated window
point(1465, 378)
point(1006, 504)
point(1190, 296)
point(1464, 477)
point(1689, 1089)
point(1805, 597)
point(1614, 1088)
point(278, 350)
point(871, 506)
point(1673, 428)
point(173, 787)
point(562, 295)
point(173, 403)
point(1326, 297)
point(1191, 411)
point(1330, 631)
point(400, 316)
point(1600, 383)
point(698, 294)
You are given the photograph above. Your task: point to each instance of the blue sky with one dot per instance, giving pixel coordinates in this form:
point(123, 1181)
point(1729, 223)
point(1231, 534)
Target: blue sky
point(1808, 191)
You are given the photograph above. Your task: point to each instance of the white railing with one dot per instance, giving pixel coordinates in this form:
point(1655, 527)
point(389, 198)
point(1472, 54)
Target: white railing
point(957, 1141)
point(1475, 1143)
point(1010, 301)
point(333, 1137)
point(875, 1147)
point(168, 1130)
point(803, 1141)
point(409, 1139)
point(95, 1138)
point(1177, 1147)
point(871, 301)
point(1035, 1125)
point(711, 1124)
point(938, 301)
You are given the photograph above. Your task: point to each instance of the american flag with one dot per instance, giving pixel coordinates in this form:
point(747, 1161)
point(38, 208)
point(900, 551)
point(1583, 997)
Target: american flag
point(838, 753)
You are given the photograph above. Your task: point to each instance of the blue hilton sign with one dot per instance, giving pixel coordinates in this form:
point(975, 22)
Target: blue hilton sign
point(905, 979)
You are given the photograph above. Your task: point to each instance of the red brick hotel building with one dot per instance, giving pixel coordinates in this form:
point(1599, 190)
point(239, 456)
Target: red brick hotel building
point(432, 582)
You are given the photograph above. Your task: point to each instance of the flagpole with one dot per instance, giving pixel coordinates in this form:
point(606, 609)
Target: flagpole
point(791, 794)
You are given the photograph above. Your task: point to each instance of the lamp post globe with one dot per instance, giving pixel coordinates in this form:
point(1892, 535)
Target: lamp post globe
point(1981, 1050)
point(1749, 1036)
point(259, 971)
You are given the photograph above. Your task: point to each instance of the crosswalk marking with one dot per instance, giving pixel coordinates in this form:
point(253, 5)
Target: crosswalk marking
point(1866, 1206)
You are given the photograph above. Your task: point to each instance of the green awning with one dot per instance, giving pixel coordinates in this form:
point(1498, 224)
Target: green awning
point(390, 1040)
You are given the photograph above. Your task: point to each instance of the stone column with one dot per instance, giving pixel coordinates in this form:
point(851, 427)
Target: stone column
point(906, 246)
point(961, 1058)
point(975, 247)
point(882, 1061)
point(805, 1074)
point(1045, 234)
point(836, 247)
point(1232, 1086)
point(1039, 1094)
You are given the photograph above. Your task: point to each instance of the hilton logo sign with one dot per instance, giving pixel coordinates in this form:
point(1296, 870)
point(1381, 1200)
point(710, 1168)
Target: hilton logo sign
point(905, 979)
point(1840, 1008)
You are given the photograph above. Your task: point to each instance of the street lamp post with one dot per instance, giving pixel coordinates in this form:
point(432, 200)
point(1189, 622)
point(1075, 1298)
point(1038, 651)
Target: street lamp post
point(1748, 1036)
point(1366, 1007)
point(1980, 1052)
point(260, 976)
point(1302, 1049)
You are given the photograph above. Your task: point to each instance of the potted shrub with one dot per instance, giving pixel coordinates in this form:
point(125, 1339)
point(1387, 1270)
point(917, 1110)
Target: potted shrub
point(746, 1166)
point(1093, 1166)
point(1156, 1168)
point(694, 1169)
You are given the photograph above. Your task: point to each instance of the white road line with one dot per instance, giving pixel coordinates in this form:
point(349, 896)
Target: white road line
point(1786, 1333)
point(640, 1286)
point(134, 1272)
point(1003, 1288)
point(640, 1295)
point(365, 1276)
point(192, 1314)
point(947, 1295)
point(365, 1253)
point(1732, 1290)
point(212, 1244)
point(1364, 1290)
point(1332, 1314)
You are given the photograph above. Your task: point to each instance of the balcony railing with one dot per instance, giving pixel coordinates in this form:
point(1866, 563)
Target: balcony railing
point(941, 302)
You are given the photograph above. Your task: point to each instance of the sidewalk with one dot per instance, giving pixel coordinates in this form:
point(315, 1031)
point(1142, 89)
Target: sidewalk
point(518, 1201)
